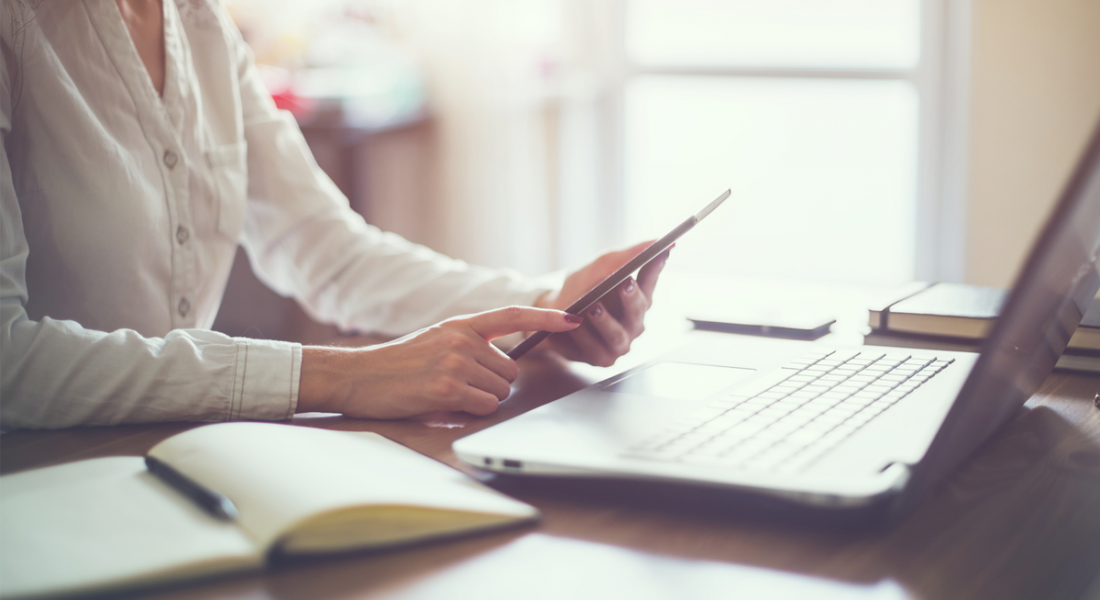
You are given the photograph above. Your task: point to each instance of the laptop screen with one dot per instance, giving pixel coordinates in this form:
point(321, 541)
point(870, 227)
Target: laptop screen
point(1052, 292)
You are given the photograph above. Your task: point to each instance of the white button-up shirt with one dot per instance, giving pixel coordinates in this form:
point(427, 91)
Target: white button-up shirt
point(122, 211)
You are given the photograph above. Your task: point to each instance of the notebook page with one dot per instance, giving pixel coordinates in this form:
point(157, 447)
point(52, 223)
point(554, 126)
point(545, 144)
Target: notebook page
point(282, 475)
point(107, 522)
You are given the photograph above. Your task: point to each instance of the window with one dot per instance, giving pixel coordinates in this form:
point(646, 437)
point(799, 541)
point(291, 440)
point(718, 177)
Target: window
point(824, 117)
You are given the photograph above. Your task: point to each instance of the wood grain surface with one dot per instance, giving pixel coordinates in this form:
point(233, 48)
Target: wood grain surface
point(1020, 519)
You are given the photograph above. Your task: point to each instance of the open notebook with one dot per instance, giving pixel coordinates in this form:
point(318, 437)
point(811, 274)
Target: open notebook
point(108, 523)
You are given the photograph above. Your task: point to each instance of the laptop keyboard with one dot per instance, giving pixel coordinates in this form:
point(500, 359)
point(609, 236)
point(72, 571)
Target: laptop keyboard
point(787, 421)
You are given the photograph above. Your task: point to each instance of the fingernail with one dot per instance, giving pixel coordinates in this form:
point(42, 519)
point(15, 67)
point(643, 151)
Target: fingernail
point(574, 319)
point(629, 286)
point(595, 311)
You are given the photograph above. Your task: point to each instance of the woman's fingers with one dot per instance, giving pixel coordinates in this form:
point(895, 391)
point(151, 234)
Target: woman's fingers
point(490, 357)
point(504, 321)
point(603, 340)
point(566, 346)
point(511, 319)
point(483, 379)
point(498, 362)
point(476, 402)
point(647, 277)
point(458, 382)
point(454, 367)
point(613, 261)
point(634, 305)
point(606, 337)
point(590, 347)
point(610, 330)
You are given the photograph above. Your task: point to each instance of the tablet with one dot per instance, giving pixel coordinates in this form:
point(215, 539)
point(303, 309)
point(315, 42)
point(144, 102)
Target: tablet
point(598, 292)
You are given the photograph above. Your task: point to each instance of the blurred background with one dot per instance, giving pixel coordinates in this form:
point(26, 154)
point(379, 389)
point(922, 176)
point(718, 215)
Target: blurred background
point(871, 142)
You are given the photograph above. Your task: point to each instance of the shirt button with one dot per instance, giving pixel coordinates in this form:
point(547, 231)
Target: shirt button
point(170, 159)
point(182, 234)
point(184, 307)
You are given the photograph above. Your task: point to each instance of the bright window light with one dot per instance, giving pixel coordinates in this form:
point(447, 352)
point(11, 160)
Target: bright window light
point(771, 33)
point(823, 173)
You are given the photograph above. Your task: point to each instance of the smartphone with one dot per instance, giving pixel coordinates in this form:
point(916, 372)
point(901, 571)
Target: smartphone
point(595, 294)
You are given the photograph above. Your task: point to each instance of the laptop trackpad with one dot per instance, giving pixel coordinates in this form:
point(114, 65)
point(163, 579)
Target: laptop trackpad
point(680, 381)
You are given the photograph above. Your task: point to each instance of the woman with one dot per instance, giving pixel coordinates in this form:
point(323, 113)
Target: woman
point(139, 149)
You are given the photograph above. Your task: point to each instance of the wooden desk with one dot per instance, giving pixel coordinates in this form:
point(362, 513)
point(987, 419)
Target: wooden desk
point(1021, 519)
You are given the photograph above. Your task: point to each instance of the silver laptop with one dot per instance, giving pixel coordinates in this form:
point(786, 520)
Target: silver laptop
point(818, 425)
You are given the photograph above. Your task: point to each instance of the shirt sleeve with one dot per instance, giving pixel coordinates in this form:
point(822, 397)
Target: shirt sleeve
point(303, 239)
point(56, 373)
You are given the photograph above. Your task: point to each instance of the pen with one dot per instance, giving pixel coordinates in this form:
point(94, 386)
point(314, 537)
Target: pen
point(212, 502)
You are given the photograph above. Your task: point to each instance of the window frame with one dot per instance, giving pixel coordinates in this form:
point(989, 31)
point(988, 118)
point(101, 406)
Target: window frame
point(940, 80)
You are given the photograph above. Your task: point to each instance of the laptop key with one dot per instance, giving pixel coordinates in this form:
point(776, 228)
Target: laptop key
point(763, 383)
point(787, 419)
point(725, 403)
point(895, 358)
point(805, 436)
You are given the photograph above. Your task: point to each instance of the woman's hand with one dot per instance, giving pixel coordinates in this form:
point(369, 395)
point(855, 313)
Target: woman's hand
point(447, 367)
point(612, 323)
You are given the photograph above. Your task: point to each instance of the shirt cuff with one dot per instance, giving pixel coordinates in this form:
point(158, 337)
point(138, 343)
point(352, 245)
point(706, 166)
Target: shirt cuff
point(265, 386)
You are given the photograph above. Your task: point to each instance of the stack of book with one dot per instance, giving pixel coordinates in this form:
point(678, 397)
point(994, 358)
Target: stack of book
point(950, 316)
